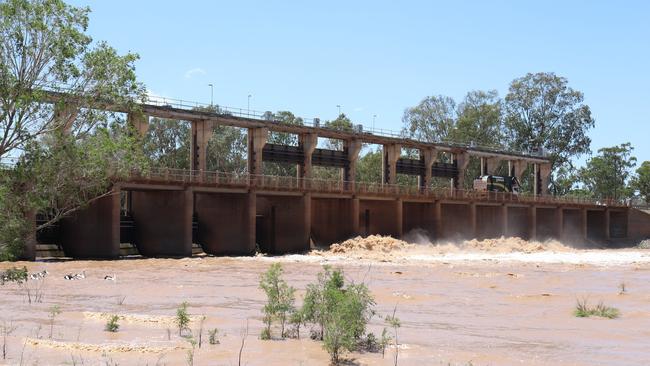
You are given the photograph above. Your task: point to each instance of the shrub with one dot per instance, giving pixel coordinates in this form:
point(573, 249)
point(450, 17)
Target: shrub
point(112, 324)
point(280, 299)
point(54, 311)
point(17, 275)
point(213, 336)
point(583, 310)
point(182, 318)
point(342, 311)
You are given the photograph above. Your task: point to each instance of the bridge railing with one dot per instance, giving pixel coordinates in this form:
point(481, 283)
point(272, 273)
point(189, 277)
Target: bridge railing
point(289, 183)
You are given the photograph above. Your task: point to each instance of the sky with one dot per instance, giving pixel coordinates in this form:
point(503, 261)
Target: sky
point(380, 57)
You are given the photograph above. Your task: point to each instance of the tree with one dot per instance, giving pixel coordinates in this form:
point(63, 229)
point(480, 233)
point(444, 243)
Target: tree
point(44, 47)
point(167, 143)
point(479, 119)
point(68, 149)
point(342, 311)
point(369, 167)
point(432, 120)
point(606, 175)
point(280, 298)
point(542, 111)
point(641, 181)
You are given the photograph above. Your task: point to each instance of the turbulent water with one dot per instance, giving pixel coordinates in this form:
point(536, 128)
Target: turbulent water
point(496, 302)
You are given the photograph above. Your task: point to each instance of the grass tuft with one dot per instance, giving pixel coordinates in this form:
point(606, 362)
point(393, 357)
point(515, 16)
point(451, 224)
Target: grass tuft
point(584, 310)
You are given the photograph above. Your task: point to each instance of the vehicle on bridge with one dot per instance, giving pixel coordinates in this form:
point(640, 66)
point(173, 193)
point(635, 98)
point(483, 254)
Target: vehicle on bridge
point(496, 183)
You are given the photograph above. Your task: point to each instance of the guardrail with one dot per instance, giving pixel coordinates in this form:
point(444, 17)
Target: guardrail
point(289, 184)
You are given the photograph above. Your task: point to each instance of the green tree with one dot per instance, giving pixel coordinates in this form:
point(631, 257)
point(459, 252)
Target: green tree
point(641, 181)
point(479, 120)
point(369, 167)
point(606, 174)
point(280, 299)
point(542, 111)
point(227, 150)
point(341, 311)
point(432, 120)
point(167, 143)
point(60, 144)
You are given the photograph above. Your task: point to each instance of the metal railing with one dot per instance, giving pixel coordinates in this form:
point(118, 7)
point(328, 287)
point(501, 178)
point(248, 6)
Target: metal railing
point(315, 185)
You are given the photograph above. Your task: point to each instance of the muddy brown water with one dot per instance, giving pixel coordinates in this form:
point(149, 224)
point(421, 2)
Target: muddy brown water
point(487, 309)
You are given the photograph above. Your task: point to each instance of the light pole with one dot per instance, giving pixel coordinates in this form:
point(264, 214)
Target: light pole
point(211, 94)
point(374, 116)
point(339, 107)
point(248, 109)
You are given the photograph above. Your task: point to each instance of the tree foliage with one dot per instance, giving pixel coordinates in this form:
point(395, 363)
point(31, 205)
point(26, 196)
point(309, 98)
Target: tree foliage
point(641, 181)
point(280, 298)
point(606, 174)
point(542, 111)
point(67, 148)
point(167, 144)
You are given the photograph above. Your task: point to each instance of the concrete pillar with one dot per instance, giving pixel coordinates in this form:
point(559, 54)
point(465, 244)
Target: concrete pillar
point(307, 218)
point(399, 216)
point(65, 114)
point(390, 156)
point(257, 138)
point(93, 231)
point(201, 134)
point(517, 168)
point(532, 215)
point(163, 222)
point(252, 220)
point(429, 157)
point(536, 187)
point(352, 147)
point(438, 219)
point(560, 222)
point(139, 122)
point(504, 218)
point(472, 219)
point(493, 165)
point(462, 160)
point(483, 169)
point(584, 225)
point(308, 143)
point(608, 221)
point(355, 216)
point(545, 178)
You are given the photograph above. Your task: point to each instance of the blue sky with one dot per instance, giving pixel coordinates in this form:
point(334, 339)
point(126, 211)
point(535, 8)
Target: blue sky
point(379, 57)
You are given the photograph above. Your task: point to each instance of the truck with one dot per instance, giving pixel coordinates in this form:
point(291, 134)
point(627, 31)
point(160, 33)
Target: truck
point(496, 183)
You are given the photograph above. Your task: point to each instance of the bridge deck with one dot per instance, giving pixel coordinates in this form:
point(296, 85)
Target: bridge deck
point(287, 184)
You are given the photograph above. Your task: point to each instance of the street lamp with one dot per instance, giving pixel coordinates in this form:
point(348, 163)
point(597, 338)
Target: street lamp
point(339, 107)
point(374, 116)
point(248, 109)
point(211, 94)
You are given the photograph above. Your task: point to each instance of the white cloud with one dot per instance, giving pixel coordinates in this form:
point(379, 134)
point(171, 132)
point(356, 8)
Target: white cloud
point(193, 72)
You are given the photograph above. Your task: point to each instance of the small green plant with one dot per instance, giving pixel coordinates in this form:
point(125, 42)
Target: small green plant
point(17, 275)
point(622, 289)
point(280, 299)
point(341, 310)
point(190, 352)
point(385, 341)
point(54, 311)
point(266, 334)
point(395, 323)
point(182, 318)
point(296, 319)
point(213, 336)
point(583, 310)
point(200, 331)
point(112, 324)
